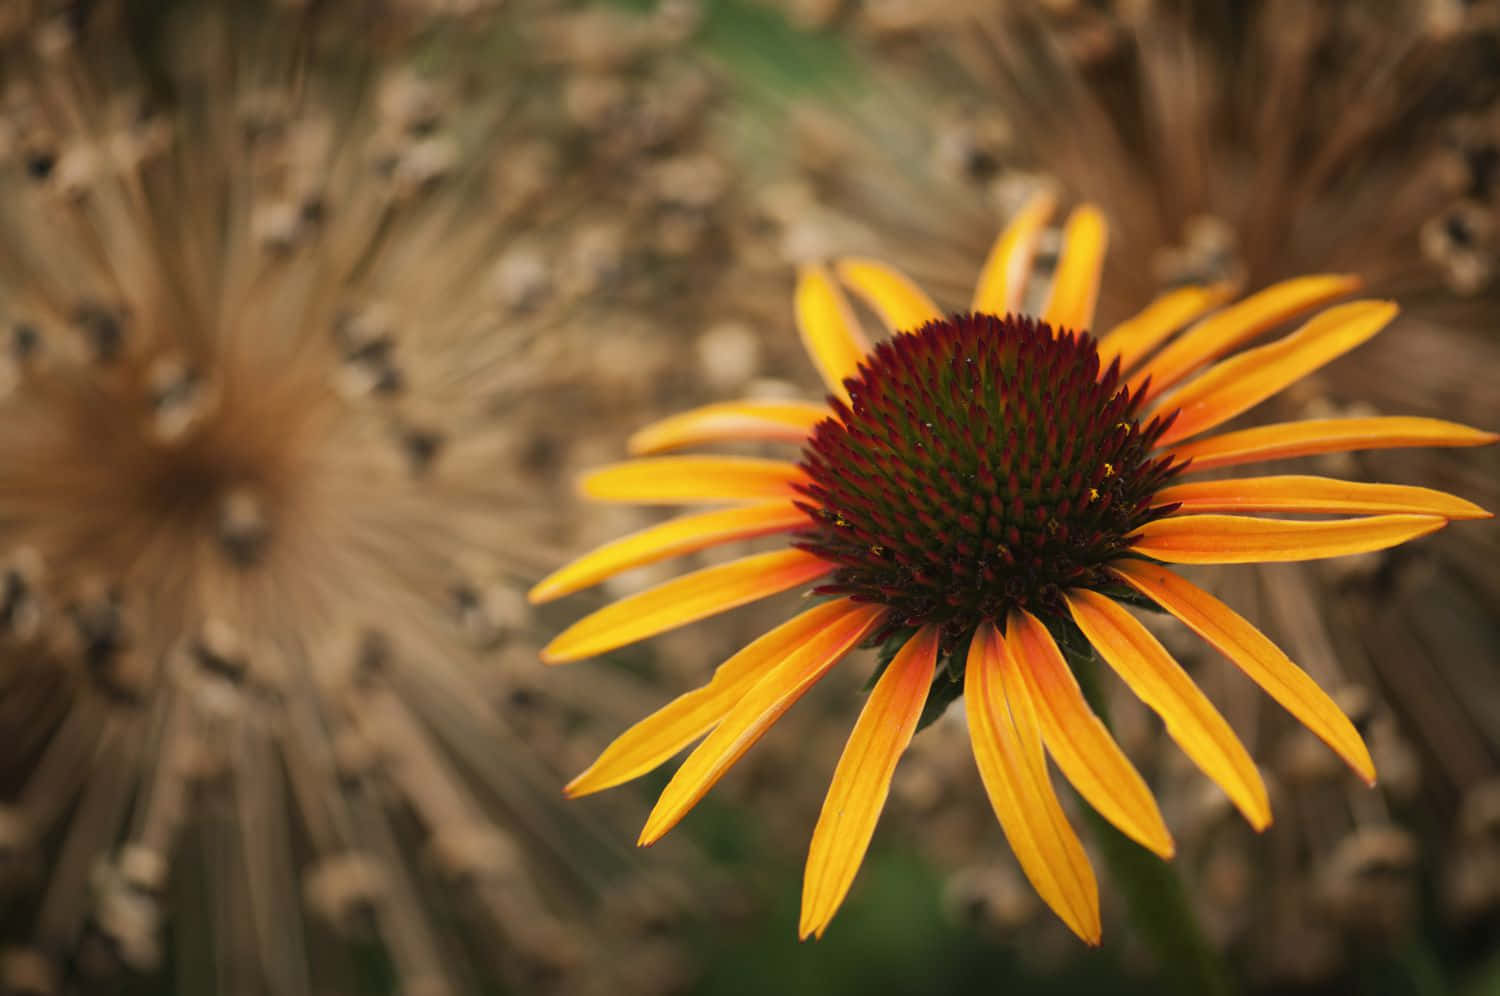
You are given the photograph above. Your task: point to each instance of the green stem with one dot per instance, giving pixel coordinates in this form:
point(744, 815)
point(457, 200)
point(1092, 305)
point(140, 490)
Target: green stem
point(1159, 906)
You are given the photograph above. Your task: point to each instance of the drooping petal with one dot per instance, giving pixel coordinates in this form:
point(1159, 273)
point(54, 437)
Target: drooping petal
point(862, 780)
point(1075, 285)
point(1157, 680)
point(1238, 384)
point(901, 304)
point(1137, 336)
point(830, 331)
point(1219, 334)
point(668, 730)
point(683, 600)
point(1002, 281)
point(730, 421)
point(757, 710)
point(1234, 637)
point(1242, 539)
point(691, 479)
point(1079, 742)
point(670, 539)
point(1008, 749)
point(1315, 495)
point(1326, 435)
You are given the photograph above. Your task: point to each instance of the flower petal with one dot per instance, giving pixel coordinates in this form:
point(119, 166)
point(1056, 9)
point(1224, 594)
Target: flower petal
point(730, 421)
point(1320, 495)
point(683, 600)
point(1002, 282)
point(1008, 749)
point(1079, 742)
point(757, 710)
point(1075, 285)
point(1241, 539)
point(686, 718)
point(1160, 682)
point(1137, 336)
point(691, 479)
point(1219, 334)
point(830, 332)
point(901, 304)
point(862, 780)
point(1234, 637)
point(1326, 435)
point(670, 539)
point(1240, 383)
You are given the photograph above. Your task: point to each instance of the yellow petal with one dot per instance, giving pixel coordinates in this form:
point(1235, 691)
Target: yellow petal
point(1002, 282)
point(683, 600)
point(1079, 742)
point(1326, 435)
point(1008, 749)
point(668, 730)
point(1157, 680)
point(901, 304)
point(670, 539)
point(1075, 285)
point(862, 780)
point(1240, 383)
point(830, 332)
point(1234, 637)
point(1241, 539)
point(691, 479)
point(1137, 336)
point(1219, 334)
point(757, 710)
point(730, 421)
point(1314, 495)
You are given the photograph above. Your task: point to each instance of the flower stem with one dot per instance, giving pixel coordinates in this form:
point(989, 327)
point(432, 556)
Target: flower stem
point(1159, 906)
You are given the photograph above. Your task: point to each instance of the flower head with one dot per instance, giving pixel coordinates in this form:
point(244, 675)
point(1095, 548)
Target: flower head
point(980, 487)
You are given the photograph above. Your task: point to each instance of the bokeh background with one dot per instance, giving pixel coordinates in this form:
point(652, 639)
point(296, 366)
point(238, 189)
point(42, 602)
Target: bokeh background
point(313, 310)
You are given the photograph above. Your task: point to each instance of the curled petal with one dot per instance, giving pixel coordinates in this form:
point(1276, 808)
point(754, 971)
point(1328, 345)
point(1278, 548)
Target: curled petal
point(1234, 637)
point(862, 780)
point(691, 479)
point(1002, 282)
point(901, 304)
point(683, 600)
point(756, 711)
point(1008, 749)
point(1075, 286)
point(1241, 539)
point(730, 421)
point(1158, 680)
point(830, 332)
point(1326, 435)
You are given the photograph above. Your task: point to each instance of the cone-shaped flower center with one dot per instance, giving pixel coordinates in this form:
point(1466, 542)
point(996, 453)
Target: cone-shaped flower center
point(983, 464)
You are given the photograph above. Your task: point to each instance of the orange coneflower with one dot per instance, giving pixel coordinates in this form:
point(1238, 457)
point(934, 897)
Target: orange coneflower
point(976, 486)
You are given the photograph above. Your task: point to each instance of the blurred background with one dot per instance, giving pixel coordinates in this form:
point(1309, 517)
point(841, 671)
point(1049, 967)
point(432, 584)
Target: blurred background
point(311, 311)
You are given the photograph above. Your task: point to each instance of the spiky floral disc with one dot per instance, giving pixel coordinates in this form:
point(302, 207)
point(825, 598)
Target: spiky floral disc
point(984, 464)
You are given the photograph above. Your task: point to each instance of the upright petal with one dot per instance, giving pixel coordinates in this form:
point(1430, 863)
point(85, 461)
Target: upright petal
point(1137, 336)
point(862, 779)
point(1008, 749)
point(730, 421)
point(1002, 282)
point(757, 710)
point(830, 332)
point(1079, 742)
point(685, 479)
point(901, 304)
point(1325, 435)
point(1243, 539)
point(1075, 285)
point(1238, 384)
point(670, 539)
point(1157, 680)
point(1234, 637)
point(1231, 328)
point(1315, 495)
point(683, 600)
point(668, 730)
